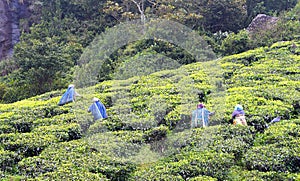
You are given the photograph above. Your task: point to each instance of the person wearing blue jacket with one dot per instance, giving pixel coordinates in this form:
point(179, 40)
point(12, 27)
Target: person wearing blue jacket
point(68, 96)
point(97, 109)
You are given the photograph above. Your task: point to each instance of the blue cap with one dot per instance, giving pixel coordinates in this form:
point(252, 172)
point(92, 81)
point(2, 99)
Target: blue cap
point(238, 107)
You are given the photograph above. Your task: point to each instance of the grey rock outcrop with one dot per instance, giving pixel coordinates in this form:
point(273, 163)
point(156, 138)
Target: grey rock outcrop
point(262, 22)
point(10, 14)
point(5, 30)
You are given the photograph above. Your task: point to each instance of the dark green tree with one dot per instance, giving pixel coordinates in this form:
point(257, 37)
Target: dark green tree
point(236, 43)
point(223, 15)
point(270, 7)
point(44, 61)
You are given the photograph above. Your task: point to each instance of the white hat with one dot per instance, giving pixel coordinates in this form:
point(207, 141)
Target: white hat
point(95, 99)
point(71, 85)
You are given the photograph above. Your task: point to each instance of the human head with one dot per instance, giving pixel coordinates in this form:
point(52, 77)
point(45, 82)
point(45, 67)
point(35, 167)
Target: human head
point(238, 107)
point(95, 99)
point(71, 85)
point(200, 106)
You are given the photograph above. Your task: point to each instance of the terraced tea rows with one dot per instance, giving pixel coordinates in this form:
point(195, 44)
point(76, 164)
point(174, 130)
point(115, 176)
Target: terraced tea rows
point(147, 135)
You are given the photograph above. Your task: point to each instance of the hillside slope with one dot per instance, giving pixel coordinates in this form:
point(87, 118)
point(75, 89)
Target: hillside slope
point(147, 135)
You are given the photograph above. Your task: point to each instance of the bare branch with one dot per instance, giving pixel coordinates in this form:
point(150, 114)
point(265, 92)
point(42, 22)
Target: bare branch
point(152, 2)
point(138, 6)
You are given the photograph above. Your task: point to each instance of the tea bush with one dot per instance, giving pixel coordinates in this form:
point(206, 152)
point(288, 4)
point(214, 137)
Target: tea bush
point(65, 160)
point(66, 173)
point(265, 85)
point(62, 132)
point(4, 129)
point(27, 144)
point(8, 159)
point(273, 158)
point(277, 149)
point(239, 173)
point(282, 133)
point(188, 165)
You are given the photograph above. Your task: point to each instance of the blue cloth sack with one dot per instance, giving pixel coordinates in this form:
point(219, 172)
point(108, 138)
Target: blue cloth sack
point(67, 97)
point(200, 118)
point(101, 109)
point(98, 110)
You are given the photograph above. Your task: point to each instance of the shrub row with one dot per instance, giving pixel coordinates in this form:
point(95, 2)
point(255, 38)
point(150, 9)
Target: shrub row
point(69, 159)
point(188, 165)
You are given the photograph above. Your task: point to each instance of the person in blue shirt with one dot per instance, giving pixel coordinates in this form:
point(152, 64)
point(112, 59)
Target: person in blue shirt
point(97, 109)
point(200, 116)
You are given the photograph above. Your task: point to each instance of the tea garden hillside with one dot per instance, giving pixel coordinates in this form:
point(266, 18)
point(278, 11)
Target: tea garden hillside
point(147, 134)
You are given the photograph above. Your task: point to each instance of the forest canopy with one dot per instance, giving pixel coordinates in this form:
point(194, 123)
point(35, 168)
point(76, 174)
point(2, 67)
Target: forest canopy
point(56, 33)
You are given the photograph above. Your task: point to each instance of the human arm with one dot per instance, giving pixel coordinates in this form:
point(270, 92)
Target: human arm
point(76, 94)
point(233, 114)
point(89, 109)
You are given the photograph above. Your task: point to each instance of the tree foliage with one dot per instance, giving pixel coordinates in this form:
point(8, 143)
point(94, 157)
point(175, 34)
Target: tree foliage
point(202, 15)
point(44, 63)
point(57, 31)
point(270, 7)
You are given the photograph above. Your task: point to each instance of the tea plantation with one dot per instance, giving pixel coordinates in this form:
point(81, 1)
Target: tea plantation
point(147, 135)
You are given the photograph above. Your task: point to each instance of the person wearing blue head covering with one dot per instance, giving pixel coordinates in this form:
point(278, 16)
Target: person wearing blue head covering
point(238, 115)
point(200, 116)
point(68, 96)
point(97, 109)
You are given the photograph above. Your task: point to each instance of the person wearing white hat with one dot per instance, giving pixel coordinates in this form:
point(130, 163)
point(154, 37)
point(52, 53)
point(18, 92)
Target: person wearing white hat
point(68, 96)
point(97, 109)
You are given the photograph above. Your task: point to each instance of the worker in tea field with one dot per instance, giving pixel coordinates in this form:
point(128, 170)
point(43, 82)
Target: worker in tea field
point(200, 116)
point(238, 116)
point(68, 96)
point(97, 109)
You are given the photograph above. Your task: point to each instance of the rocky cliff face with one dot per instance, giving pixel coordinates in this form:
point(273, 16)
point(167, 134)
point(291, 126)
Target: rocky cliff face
point(10, 14)
point(262, 22)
